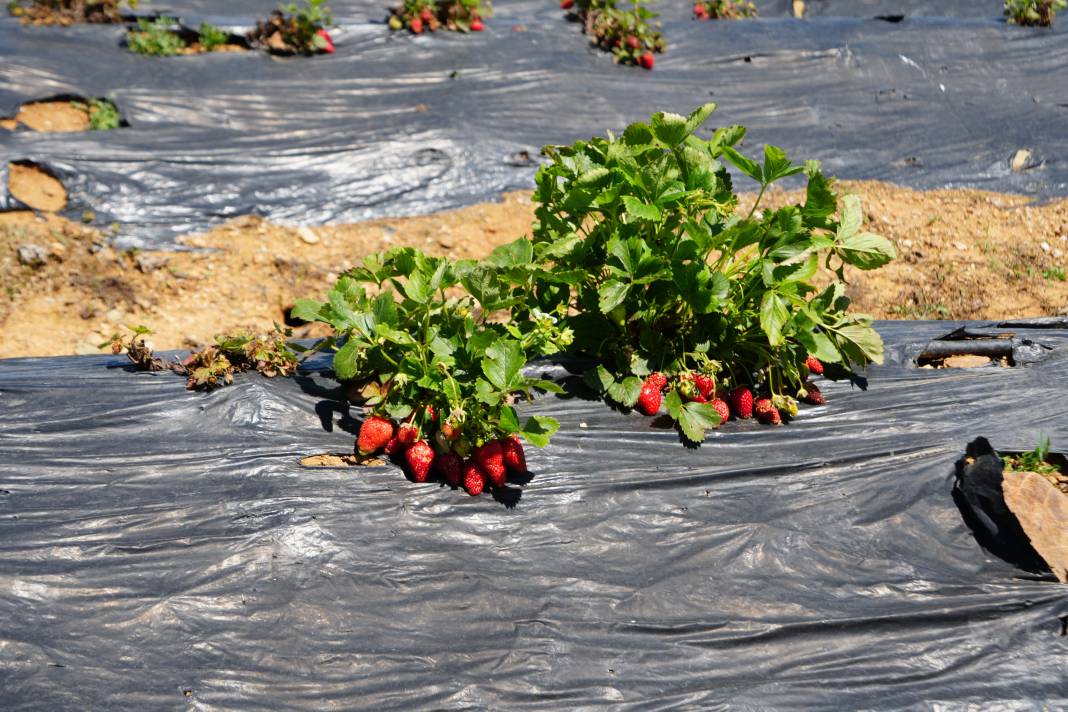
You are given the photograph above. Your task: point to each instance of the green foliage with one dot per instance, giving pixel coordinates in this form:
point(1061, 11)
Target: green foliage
point(1033, 12)
point(1033, 461)
point(103, 114)
point(155, 38)
point(408, 343)
point(211, 37)
point(638, 245)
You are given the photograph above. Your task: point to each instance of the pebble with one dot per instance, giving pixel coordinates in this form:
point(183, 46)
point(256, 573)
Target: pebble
point(1021, 159)
point(149, 263)
point(32, 255)
point(960, 245)
point(307, 235)
point(114, 316)
point(1045, 246)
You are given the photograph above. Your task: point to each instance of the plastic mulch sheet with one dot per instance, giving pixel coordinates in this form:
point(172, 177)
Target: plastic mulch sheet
point(164, 549)
point(394, 124)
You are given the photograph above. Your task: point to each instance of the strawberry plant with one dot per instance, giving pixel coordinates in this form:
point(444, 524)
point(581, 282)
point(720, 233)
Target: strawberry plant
point(639, 247)
point(437, 378)
point(155, 38)
point(296, 29)
point(419, 16)
point(627, 34)
point(66, 12)
point(1033, 12)
point(723, 9)
point(211, 37)
point(103, 114)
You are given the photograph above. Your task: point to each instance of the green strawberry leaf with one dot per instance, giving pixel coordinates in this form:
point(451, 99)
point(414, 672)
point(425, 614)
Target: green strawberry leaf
point(538, 429)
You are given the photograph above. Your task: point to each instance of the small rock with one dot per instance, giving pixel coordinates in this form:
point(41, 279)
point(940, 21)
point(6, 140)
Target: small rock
point(906, 243)
point(96, 247)
point(1021, 159)
point(114, 316)
point(32, 255)
point(960, 245)
point(307, 235)
point(57, 250)
point(1058, 254)
point(1045, 246)
point(150, 263)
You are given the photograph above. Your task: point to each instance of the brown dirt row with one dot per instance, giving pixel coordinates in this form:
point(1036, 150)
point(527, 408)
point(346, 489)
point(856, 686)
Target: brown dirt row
point(964, 254)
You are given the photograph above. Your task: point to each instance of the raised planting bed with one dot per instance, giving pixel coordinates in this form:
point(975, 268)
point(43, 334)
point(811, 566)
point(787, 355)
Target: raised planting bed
point(630, 35)
point(164, 37)
point(295, 30)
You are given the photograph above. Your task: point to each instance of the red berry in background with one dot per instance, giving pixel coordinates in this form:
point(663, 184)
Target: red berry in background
point(814, 365)
point(658, 380)
point(476, 25)
point(416, 26)
point(406, 435)
point(329, 49)
point(375, 433)
point(650, 399)
point(514, 457)
point(490, 458)
point(420, 456)
point(722, 408)
point(698, 399)
point(474, 480)
point(633, 42)
point(646, 60)
point(567, 4)
point(742, 402)
point(813, 395)
point(700, 12)
point(394, 446)
point(767, 413)
point(426, 16)
point(450, 468)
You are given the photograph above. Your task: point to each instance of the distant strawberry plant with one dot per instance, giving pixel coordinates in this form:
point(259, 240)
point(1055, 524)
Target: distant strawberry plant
point(627, 34)
point(1033, 12)
point(668, 287)
point(296, 29)
point(419, 16)
point(723, 9)
point(103, 114)
point(66, 12)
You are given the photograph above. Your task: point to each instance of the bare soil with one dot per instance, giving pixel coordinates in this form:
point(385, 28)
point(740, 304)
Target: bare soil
point(49, 116)
point(35, 187)
point(963, 254)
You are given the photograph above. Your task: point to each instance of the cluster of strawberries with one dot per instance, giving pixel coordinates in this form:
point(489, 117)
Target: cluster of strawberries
point(425, 20)
point(738, 402)
point(487, 465)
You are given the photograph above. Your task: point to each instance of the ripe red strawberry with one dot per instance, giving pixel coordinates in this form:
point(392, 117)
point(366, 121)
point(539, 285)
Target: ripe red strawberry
point(698, 399)
point(329, 49)
point(741, 399)
point(450, 467)
point(633, 42)
point(705, 384)
point(658, 380)
point(394, 446)
point(514, 457)
point(646, 60)
point(374, 434)
point(474, 480)
point(650, 399)
point(426, 16)
point(490, 458)
point(814, 365)
point(767, 413)
point(476, 25)
point(567, 4)
point(722, 408)
point(813, 396)
point(420, 456)
point(406, 435)
point(700, 12)
point(416, 26)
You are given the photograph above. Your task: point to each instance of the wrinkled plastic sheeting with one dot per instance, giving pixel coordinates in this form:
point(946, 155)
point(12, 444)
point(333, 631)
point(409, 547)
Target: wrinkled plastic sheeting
point(394, 124)
point(161, 547)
